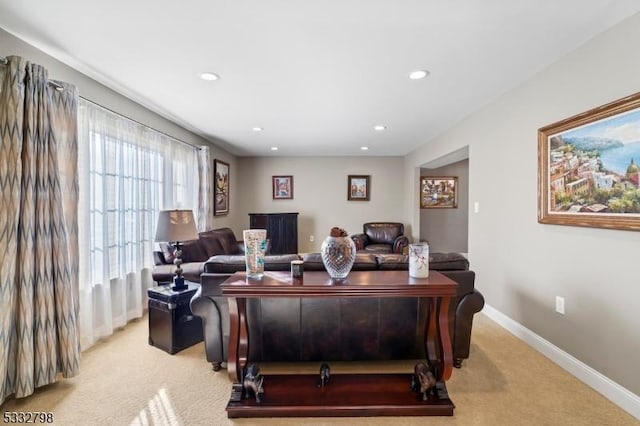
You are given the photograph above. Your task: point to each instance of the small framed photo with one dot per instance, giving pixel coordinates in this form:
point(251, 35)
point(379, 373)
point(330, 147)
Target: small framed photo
point(221, 189)
point(358, 187)
point(282, 187)
point(438, 192)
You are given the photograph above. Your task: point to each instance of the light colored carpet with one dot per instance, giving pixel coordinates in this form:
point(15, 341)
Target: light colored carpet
point(124, 381)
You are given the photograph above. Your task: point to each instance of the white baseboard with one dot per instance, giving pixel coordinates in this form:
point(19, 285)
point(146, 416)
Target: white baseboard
point(617, 394)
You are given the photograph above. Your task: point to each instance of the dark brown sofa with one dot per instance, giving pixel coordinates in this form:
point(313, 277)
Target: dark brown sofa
point(300, 329)
point(195, 253)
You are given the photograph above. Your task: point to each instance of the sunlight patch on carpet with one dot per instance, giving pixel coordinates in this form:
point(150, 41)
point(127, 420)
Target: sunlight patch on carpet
point(158, 412)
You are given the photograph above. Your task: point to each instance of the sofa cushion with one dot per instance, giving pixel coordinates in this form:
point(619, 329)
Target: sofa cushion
point(378, 248)
point(192, 251)
point(210, 243)
point(363, 262)
point(437, 261)
point(228, 264)
point(225, 264)
point(448, 262)
point(279, 262)
point(228, 241)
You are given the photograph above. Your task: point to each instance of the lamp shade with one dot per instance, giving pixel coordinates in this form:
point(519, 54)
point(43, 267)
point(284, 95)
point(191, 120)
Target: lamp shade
point(176, 225)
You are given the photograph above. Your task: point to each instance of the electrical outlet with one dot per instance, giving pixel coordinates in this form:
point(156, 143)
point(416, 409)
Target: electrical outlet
point(311, 238)
point(560, 305)
point(476, 207)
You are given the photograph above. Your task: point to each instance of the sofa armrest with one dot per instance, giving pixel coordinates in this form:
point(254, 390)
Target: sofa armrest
point(360, 240)
point(448, 262)
point(214, 313)
point(210, 283)
point(401, 245)
point(468, 306)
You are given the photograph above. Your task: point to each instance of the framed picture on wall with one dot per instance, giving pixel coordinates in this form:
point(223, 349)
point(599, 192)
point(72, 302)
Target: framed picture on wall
point(282, 187)
point(221, 188)
point(588, 171)
point(438, 192)
point(358, 187)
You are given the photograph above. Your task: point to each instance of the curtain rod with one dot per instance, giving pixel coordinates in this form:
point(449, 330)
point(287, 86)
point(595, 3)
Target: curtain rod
point(137, 122)
point(57, 86)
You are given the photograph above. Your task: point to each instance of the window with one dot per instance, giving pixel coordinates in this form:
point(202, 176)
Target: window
point(127, 174)
point(126, 191)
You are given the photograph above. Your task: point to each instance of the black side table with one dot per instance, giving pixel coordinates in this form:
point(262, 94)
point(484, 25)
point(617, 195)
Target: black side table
point(172, 326)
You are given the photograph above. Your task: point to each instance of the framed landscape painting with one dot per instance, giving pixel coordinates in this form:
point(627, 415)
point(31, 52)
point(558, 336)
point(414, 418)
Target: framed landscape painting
point(358, 187)
point(221, 189)
point(588, 172)
point(438, 192)
point(282, 187)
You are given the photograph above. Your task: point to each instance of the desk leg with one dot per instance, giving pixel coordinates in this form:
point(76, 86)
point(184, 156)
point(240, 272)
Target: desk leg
point(439, 351)
point(238, 339)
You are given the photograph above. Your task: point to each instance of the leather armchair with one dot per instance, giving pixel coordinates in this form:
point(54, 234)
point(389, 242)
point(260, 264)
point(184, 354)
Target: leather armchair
point(381, 237)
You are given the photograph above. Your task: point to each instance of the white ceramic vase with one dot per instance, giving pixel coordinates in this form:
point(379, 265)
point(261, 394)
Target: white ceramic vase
point(419, 260)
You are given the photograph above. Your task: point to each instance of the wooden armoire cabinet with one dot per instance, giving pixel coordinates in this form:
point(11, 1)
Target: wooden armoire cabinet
point(282, 230)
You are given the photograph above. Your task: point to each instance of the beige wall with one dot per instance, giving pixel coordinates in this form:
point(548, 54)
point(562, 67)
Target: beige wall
point(446, 230)
point(320, 193)
point(522, 265)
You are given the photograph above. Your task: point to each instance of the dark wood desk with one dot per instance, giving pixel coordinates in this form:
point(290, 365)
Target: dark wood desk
point(347, 394)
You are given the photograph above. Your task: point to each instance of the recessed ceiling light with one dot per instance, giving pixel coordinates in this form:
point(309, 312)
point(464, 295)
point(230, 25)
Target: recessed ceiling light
point(257, 129)
point(209, 76)
point(274, 148)
point(380, 128)
point(364, 148)
point(417, 75)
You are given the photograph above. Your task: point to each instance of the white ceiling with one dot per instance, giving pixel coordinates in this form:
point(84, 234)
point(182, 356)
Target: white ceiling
point(317, 75)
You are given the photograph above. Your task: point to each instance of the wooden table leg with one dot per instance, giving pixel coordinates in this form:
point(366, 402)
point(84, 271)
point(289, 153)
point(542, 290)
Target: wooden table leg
point(445, 338)
point(243, 341)
point(433, 335)
point(439, 350)
point(238, 339)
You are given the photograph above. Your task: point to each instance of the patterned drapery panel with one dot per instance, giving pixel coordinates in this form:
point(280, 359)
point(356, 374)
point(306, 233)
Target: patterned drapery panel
point(205, 195)
point(38, 205)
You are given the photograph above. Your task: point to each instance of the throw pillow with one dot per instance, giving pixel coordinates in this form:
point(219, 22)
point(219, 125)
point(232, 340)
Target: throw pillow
point(167, 252)
point(210, 243)
point(192, 251)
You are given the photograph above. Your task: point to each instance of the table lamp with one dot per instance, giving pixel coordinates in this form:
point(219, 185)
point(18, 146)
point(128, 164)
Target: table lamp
point(175, 226)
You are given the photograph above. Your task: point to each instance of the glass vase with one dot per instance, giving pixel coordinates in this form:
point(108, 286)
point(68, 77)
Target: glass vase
point(255, 246)
point(419, 260)
point(338, 255)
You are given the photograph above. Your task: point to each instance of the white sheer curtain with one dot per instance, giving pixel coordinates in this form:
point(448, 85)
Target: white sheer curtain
point(128, 172)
